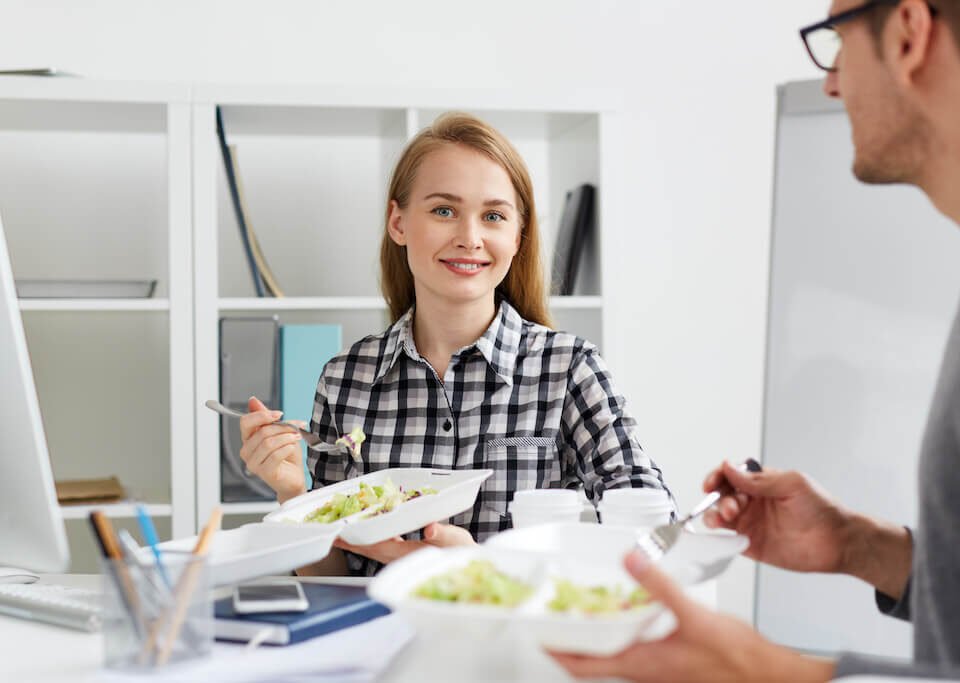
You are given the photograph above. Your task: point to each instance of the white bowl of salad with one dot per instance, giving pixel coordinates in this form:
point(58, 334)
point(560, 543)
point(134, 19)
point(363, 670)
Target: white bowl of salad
point(572, 605)
point(386, 503)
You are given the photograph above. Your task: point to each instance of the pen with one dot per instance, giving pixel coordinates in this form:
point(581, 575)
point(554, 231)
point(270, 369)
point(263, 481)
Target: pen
point(150, 536)
point(107, 540)
point(186, 585)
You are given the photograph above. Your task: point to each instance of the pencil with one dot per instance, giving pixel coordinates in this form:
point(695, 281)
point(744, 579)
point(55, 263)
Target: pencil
point(187, 585)
point(107, 539)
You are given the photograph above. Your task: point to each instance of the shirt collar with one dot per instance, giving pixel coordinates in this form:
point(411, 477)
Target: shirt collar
point(499, 344)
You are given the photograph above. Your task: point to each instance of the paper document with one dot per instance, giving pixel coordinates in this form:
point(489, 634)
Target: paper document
point(359, 653)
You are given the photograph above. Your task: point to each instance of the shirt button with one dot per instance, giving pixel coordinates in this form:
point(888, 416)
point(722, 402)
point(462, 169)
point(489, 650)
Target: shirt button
point(447, 425)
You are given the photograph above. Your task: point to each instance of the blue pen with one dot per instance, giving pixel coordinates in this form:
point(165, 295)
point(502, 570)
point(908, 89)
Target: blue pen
point(150, 536)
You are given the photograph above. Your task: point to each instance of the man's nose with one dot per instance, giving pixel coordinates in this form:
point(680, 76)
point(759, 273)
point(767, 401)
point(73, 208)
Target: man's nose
point(831, 85)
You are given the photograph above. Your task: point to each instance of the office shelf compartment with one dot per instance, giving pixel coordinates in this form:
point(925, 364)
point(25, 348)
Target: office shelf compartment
point(103, 384)
point(313, 179)
point(81, 203)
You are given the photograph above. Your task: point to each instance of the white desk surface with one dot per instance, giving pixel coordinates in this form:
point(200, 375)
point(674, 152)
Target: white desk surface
point(40, 653)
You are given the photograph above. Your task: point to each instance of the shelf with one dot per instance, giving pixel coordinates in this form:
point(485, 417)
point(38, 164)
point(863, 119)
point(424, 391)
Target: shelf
point(116, 510)
point(252, 508)
point(302, 303)
point(365, 303)
point(579, 302)
point(94, 305)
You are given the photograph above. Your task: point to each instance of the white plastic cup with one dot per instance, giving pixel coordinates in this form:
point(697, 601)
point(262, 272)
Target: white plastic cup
point(544, 506)
point(642, 508)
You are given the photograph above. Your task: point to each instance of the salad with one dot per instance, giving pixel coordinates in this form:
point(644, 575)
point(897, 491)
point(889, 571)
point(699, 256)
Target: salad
point(378, 499)
point(352, 442)
point(479, 582)
point(570, 597)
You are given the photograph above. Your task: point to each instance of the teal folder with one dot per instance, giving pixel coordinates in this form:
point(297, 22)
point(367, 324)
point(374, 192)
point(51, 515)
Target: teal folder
point(304, 350)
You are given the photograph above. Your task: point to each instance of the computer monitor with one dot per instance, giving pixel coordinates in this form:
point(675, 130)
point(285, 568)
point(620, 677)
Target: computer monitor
point(32, 534)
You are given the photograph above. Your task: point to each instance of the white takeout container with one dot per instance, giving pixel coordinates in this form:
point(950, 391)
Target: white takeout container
point(643, 508)
point(531, 619)
point(456, 492)
point(698, 555)
point(255, 550)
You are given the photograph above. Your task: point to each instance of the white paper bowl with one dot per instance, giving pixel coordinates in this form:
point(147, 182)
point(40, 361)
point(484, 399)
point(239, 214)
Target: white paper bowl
point(597, 635)
point(456, 491)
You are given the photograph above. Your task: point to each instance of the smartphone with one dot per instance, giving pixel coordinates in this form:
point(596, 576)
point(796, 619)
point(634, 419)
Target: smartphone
point(284, 595)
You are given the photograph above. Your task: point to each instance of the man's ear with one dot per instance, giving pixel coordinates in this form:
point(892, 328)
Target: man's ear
point(395, 225)
point(910, 35)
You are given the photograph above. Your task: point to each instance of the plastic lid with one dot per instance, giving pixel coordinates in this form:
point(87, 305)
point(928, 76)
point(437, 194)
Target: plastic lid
point(636, 498)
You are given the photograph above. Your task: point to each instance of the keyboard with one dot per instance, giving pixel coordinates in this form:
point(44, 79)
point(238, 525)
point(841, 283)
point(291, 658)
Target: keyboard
point(76, 608)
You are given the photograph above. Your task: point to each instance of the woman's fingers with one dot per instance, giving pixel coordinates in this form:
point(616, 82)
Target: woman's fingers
point(251, 422)
point(275, 445)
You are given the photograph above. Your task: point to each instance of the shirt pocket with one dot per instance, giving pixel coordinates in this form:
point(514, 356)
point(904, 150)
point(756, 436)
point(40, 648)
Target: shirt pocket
point(518, 463)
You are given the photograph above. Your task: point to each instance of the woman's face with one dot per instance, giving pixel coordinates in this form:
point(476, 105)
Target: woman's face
point(461, 226)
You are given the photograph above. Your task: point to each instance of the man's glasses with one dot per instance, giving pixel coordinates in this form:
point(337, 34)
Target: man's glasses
point(822, 40)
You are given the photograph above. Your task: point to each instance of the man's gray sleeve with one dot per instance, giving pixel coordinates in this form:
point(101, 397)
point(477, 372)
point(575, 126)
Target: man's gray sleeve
point(850, 664)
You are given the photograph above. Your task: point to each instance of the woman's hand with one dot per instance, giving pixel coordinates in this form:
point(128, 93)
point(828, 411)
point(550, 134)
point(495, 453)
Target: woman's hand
point(435, 534)
point(705, 646)
point(272, 451)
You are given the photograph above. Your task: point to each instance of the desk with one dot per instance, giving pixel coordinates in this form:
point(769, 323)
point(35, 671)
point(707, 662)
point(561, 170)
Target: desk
point(40, 653)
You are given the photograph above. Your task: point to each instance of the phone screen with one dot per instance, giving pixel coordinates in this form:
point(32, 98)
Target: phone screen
point(268, 592)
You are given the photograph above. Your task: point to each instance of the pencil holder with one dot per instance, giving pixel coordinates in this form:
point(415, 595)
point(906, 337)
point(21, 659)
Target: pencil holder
point(154, 615)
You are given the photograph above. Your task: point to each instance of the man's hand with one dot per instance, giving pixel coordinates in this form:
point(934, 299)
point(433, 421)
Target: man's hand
point(791, 522)
point(706, 646)
point(435, 534)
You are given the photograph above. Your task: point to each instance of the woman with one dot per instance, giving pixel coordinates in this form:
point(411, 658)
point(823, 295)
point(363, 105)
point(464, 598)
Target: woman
point(469, 375)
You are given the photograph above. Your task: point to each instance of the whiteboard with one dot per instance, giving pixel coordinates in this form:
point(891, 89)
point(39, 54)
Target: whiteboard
point(864, 282)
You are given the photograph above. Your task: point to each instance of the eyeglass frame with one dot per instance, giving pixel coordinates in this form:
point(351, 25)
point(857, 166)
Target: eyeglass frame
point(841, 18)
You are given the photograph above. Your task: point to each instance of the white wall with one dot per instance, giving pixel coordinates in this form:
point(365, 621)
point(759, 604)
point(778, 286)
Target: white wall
point(698, 80)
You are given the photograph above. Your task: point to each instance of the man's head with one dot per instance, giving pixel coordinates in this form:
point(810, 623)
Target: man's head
point(890, 74)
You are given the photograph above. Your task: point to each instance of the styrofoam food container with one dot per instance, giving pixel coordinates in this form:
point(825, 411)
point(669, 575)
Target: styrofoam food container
point(697, 556)
point(456, 491)
point(597, 635)
point(255, 550)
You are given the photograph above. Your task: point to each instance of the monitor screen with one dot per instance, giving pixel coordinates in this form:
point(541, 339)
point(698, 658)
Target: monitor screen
point(33, 535)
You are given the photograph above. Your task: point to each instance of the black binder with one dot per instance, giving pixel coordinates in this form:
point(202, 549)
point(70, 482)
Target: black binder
point(576, 222)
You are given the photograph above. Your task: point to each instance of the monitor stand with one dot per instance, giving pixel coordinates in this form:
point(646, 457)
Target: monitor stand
point(15, 575)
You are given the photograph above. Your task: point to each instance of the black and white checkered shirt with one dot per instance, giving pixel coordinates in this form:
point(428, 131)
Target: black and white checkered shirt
point(536, 406)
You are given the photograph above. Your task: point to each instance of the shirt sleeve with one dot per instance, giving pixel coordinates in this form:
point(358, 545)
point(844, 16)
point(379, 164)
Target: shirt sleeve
point(850, 664)
point(598, 433)
point(326, 470)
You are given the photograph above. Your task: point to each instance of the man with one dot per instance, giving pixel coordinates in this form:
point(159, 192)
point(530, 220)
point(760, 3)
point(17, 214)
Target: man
point(896, 66)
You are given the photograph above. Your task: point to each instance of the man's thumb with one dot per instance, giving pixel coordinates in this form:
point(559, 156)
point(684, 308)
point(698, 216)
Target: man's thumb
point(660, 586)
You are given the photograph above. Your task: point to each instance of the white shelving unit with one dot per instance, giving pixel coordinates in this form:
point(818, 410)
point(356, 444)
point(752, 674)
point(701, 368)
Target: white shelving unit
point(105, 180)
point(315, 164)
point(95, 184)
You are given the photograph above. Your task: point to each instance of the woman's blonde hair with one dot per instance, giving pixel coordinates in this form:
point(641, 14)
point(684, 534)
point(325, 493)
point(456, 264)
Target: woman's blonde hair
point(523, 287)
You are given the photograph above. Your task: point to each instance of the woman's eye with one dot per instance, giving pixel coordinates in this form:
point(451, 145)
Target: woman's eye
point(443, 212)
point(494, 217)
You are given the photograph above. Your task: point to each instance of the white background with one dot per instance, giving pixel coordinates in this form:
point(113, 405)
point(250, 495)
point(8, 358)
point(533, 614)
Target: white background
point(697, 78)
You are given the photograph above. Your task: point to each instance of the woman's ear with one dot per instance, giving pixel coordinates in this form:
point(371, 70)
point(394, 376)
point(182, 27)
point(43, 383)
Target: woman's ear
point(395, 225)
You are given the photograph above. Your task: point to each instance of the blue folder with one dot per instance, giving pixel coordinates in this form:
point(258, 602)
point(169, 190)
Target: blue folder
point(304, 350)
point(331, 608)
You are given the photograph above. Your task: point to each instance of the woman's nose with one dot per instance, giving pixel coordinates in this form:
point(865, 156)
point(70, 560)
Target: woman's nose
point(468, 234)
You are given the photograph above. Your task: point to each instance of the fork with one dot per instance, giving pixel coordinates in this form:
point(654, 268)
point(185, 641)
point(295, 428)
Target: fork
point(659, 541)
point(311, 439)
